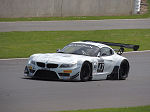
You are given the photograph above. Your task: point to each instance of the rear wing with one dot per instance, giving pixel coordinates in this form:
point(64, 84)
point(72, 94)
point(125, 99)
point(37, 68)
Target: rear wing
point(121, 45)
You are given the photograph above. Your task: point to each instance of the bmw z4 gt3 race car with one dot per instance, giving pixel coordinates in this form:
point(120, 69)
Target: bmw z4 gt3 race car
point(83, 61)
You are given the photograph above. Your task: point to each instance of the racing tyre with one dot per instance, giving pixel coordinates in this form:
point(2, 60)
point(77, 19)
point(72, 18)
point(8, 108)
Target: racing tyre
point(85, 72)
point(124, 70)
point(120, 73)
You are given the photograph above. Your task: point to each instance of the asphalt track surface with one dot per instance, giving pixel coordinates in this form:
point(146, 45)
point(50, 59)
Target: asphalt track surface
point(75, 25)
point(18, 94)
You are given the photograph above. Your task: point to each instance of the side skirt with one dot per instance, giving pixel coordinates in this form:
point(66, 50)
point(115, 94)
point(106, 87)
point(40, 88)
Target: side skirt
point(114, 75)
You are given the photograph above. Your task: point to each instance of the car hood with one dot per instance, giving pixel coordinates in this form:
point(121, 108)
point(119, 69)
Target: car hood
point(58, 58)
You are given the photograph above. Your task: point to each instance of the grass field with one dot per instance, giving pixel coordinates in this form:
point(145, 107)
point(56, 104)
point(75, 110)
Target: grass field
point(74, 18)
point(23, 44)
point(147, 15)
point(129, 109)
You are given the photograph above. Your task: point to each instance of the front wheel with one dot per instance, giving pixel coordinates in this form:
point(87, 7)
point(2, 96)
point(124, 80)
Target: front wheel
point(85, 72)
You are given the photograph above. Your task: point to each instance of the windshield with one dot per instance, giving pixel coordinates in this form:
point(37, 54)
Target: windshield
point(80, 49)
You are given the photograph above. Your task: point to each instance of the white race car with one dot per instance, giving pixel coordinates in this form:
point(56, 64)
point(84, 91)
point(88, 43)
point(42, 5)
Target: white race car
point(82, 61)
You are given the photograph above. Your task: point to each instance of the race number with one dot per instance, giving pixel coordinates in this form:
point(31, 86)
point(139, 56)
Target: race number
point(100, 67)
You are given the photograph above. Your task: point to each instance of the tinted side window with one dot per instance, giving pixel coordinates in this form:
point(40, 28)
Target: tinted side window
point(106, 51)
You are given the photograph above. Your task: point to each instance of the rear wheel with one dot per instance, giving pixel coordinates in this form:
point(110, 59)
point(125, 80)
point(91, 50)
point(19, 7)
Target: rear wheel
point(86, 71)
point(120, 73)
point(124, 70)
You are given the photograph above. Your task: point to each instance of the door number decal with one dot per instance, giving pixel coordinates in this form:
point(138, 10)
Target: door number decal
point(100, 67)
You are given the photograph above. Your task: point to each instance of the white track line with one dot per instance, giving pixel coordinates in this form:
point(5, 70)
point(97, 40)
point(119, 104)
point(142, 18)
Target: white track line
point(137, 51)
point(13, 59)
point(27, 58)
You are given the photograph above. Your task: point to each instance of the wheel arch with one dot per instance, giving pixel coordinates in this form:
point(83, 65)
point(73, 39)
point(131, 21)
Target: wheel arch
point(91, 66)
point(115, 74)
point(120, 60)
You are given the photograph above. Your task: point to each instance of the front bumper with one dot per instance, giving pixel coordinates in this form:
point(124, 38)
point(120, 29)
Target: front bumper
point(52, 73)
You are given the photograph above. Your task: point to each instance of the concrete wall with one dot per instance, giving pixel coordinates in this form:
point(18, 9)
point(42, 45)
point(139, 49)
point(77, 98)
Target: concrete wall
point(49, 8)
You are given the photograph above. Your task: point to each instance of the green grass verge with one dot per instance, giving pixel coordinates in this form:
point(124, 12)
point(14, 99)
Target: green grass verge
point(128, 109)
point(147, 15)
point(23, 44)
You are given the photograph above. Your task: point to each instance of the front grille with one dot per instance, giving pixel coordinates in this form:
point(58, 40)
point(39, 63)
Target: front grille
point(40, 64)
point(51, 65)
point(46, 74)
point(64, 74)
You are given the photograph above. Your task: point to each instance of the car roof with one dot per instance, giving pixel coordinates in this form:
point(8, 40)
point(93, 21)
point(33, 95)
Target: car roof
point(92, 43)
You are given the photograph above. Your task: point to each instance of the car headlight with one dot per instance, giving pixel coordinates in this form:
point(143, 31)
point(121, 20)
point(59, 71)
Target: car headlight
point(31, 62)
point(67, 65)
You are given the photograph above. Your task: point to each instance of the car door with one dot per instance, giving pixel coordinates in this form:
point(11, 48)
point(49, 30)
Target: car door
point(107, 55)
